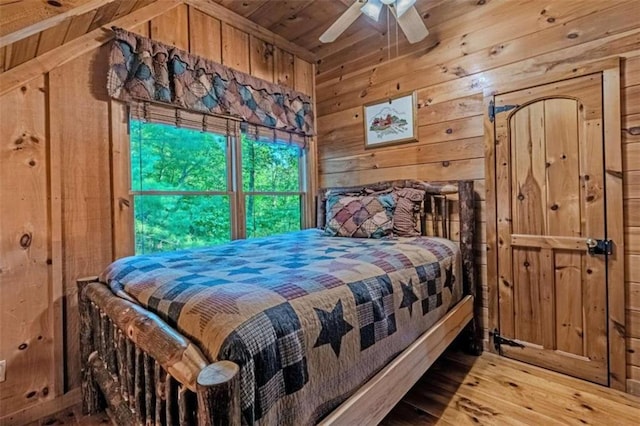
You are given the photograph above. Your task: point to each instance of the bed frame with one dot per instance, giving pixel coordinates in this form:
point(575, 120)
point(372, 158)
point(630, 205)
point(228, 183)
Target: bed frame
point(145, 372)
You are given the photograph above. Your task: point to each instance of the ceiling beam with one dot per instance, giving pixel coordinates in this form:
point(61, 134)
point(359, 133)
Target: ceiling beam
point(16, 77)
point(240, 22)
point(45, 24)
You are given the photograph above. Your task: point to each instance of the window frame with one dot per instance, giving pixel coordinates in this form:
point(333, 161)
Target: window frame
point(242, 194)
point(235, 191)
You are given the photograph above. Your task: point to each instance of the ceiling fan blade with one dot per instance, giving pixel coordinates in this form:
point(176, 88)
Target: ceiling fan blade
point(402, 6)
point(412, 25)
point(343, 22)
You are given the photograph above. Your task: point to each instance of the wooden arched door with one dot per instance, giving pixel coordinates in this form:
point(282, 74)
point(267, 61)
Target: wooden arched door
point(550, 196)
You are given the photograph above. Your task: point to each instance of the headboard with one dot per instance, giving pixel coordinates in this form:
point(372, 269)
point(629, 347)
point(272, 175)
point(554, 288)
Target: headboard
point(442, 202)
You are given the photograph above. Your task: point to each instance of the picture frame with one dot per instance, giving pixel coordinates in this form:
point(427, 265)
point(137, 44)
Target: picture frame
point(391, 121)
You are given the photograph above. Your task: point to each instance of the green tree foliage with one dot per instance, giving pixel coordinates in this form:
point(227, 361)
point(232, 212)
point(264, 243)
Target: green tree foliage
point(165, 158)
point(270, 167)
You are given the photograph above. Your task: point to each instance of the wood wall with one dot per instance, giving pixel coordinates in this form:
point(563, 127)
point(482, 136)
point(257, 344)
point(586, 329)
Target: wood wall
point(474, 46)
point(61, 186)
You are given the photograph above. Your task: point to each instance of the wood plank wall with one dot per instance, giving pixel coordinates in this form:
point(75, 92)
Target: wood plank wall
point(474, 45)
point(61, 174)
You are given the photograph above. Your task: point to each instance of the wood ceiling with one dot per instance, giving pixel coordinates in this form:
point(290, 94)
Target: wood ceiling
point(303, 21)
point(29, 28)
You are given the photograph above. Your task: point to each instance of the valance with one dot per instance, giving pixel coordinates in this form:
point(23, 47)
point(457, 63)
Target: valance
point(142, 69)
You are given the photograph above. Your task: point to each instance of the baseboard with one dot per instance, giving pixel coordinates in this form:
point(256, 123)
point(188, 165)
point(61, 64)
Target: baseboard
point(36, 412)
point(633, 387)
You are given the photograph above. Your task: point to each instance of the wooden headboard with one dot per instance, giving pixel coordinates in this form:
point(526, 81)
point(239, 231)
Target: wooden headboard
point(442, 202)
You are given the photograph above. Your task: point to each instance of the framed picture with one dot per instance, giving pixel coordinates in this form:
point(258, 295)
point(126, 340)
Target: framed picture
point(391, 121)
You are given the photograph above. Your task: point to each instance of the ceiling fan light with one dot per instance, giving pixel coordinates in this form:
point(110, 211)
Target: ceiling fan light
point(403, 5)
point(372, 9)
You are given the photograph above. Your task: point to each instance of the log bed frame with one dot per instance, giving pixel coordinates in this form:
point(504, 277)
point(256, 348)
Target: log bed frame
point(145, 372)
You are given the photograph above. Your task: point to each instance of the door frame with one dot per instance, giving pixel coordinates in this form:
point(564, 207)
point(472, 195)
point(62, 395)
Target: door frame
point(610, 70)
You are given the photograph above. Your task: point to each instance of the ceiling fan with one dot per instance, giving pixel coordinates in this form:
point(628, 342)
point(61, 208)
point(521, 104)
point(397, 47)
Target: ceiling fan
point(406, 15)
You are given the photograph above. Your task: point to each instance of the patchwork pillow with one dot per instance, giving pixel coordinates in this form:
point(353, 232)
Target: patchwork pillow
point(406, 218)
point(368, 216)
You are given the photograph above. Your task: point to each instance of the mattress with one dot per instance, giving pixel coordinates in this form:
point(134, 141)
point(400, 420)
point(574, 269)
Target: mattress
point(308, 318)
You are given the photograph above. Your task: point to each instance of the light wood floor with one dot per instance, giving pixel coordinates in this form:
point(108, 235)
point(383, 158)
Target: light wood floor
point(73, 416)
point(492, 390)
point(488, 390)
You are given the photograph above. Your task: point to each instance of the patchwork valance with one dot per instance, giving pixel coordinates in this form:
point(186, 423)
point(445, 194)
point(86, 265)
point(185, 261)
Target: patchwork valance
point(142, 69)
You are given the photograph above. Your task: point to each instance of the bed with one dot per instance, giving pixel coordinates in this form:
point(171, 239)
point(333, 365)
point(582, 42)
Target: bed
point(299, 328)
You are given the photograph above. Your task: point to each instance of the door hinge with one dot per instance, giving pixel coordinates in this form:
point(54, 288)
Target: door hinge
point(595, 246)
point(493, 109)
point(498, 341)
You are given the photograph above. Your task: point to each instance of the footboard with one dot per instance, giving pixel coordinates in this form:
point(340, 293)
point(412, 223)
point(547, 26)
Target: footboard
point(139, 368)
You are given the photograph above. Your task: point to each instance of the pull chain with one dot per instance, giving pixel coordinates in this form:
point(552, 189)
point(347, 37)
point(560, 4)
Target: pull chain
point(388, 38)
point(397, 42)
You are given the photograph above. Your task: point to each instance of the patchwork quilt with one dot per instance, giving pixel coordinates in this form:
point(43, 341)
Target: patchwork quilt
point(309, 318)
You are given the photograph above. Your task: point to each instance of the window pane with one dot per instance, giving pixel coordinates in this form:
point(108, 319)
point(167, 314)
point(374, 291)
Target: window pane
point(172, 222)
point(167, 158)
point(270, 167)
point(268, 215)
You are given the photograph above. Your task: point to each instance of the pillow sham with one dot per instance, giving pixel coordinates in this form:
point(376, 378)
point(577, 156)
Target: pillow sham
point(365, 216)
point(406, 218)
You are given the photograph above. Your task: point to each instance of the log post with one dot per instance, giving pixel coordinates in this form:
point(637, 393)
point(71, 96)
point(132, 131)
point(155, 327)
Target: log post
point(149, 390)
point(104, 336)
point(130, 371)
point(92, 402)
point(218, 388)
point(110, 388)
point(320, 211)
point(161, 399)
point(185, 407)
point(110, 354)
point(467, 238)
point(121, 356)
point(171, 389)
point(138, 386)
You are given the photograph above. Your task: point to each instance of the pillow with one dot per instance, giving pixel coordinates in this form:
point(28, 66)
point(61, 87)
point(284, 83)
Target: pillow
point(360, 216)
point(406, 218)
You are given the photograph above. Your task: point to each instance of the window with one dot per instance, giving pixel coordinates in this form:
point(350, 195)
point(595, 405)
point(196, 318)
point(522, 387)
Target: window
point(187, 192)
point(179, 181)
point(271, 185)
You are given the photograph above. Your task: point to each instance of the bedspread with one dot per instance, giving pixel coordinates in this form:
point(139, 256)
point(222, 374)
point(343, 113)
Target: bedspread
point(308, 318)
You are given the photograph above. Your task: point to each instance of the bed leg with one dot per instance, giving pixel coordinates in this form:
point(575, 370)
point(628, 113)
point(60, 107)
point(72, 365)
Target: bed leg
point(92, 401)
point(473, 332)
point(219, 395)
point(473, 345)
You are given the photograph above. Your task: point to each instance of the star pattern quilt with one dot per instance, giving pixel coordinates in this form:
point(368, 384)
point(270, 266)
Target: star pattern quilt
point(307, 317)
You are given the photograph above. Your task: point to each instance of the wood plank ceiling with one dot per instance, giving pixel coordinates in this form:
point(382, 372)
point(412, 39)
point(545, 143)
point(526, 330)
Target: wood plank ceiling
point(29, 28)
point(303, 21)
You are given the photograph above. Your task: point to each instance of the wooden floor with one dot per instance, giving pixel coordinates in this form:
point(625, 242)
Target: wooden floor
point(73, 416)
point(488, 390)
point(492, 390)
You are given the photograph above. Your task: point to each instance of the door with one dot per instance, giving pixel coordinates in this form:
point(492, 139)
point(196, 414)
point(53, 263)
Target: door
point(550, 201)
